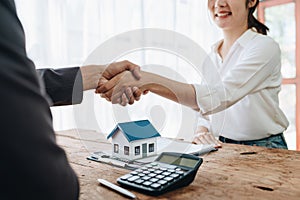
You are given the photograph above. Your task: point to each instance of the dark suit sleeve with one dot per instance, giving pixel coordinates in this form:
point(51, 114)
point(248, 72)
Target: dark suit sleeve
point(63, 86)
point(32, 165)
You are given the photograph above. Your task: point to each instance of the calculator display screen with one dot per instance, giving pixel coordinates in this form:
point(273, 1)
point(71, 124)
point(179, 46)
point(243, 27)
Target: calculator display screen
point(180, 161)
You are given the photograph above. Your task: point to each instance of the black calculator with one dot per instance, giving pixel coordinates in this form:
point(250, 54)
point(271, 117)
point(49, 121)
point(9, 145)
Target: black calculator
point(168, 172)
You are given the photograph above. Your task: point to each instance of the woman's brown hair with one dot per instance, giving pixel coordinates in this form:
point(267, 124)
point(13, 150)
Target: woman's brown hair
point(253, 22)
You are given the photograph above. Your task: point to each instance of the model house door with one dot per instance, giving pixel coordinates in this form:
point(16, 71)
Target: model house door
point(144, 150)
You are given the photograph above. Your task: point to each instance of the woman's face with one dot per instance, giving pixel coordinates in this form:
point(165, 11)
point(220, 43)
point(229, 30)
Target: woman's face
point(230, 14)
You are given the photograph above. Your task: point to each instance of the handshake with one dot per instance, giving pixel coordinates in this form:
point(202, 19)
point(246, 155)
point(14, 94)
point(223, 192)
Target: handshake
point(121, 83)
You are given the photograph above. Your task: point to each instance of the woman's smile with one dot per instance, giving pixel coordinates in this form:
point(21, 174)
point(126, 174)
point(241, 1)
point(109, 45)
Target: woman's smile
point(223, 14)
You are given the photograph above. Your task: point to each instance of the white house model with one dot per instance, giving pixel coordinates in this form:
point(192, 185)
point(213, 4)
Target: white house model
point(133, 140)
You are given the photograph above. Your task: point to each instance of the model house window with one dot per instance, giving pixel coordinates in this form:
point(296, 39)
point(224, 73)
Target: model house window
point(126, 150)
point(116, 148)
point(151, 147)
point(137, 150)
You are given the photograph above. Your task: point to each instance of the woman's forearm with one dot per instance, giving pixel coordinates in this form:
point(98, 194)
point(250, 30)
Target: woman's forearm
point(179, 92)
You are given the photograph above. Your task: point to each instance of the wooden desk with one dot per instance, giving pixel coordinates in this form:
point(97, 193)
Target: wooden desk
point(225, 174)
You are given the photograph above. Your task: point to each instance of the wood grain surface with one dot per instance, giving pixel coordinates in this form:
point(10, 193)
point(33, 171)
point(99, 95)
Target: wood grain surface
point(232, 172)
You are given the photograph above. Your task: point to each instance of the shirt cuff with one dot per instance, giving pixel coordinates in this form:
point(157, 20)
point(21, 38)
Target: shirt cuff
point(63, 85)
point(207, 98)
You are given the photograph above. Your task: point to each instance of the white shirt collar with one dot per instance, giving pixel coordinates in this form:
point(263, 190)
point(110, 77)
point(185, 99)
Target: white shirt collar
point(242, 40)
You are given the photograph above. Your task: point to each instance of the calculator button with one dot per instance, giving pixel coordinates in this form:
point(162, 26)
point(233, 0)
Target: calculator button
point(179, 172)
point(125, 176)
point(144, 168)
point(166, 173)
point(153, 164)
point(141, 174)
point(159, 176)
point(178, 169)
point(151, 170)
point(153, 179)
point(168, 178)
point(138, 170)
point(146, 178)
point(134, 173)
point(172, 167)
point(152, 175)
point(158, 172)
point(175, 175)
point(171, 170)
point(162, 182)
point(134, 178)
point(155, 185)
point(163, 169)
point(147, 183)
point(139, 181)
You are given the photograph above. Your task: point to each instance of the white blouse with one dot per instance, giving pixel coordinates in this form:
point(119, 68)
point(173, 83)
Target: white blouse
point(239, 95)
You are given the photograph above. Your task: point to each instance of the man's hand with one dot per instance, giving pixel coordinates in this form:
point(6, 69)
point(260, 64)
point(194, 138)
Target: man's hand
point(130, 94)
point(118, 67)
point(121, 89)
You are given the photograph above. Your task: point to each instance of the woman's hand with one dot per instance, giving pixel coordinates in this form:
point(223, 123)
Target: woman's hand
point(121, 89)
point(113, 74)
point(203, 136)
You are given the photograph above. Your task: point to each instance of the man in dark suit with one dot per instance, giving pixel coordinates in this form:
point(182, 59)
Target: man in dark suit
point(32, 165)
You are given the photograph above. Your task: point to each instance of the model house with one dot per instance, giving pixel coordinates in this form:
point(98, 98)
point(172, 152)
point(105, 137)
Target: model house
point(133, 140)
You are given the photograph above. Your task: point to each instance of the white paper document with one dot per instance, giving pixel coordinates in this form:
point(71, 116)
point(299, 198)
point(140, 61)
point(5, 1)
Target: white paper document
point(170, 145)
point(163, 145)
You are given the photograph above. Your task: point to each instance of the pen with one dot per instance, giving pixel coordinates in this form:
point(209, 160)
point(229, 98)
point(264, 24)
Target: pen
point(116, 188)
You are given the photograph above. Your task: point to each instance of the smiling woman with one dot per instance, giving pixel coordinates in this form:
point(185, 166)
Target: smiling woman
point(251, 77)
